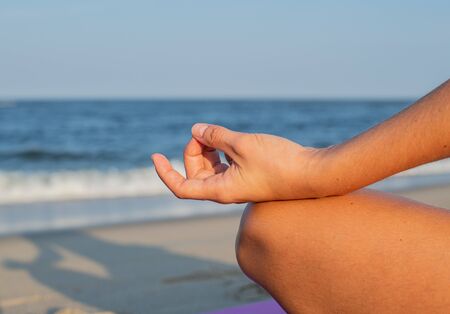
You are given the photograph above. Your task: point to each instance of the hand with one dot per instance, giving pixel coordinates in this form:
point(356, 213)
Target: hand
point(261, 168)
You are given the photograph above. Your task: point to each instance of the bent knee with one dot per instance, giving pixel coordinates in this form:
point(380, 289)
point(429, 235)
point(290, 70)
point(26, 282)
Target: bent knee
point(258, 239)
point(270, 231)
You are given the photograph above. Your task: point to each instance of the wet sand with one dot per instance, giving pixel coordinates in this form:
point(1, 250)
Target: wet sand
point(178, 266)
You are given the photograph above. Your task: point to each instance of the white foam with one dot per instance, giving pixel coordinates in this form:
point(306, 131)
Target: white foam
point(22, 187)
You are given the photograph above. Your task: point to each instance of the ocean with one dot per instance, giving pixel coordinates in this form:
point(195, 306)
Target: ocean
point(66, 164)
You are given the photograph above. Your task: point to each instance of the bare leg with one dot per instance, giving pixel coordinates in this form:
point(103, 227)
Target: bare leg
point(366, 252)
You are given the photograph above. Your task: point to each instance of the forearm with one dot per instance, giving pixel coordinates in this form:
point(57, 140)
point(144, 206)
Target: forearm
point(266, 167)
point(417, 135)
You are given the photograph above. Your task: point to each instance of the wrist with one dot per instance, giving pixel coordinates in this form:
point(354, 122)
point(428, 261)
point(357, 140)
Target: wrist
point(328, 173)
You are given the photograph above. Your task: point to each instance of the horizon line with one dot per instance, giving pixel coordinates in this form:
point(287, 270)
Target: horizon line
point(4, 99)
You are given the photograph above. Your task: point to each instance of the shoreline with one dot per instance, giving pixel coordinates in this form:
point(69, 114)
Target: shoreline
point(53, 217)
point(177, 265)
point(436, 195)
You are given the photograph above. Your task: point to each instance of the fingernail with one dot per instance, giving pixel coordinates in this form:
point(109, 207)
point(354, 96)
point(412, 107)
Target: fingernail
point(199, 129)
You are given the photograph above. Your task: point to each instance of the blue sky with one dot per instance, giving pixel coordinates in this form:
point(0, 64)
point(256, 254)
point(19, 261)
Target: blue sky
point(207, 48)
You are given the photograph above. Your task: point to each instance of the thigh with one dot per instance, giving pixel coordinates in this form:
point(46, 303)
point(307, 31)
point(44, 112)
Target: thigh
point(363, 252)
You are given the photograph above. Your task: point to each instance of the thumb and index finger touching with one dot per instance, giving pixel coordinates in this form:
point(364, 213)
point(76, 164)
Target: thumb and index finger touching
point(209, 135)
point(216, 136)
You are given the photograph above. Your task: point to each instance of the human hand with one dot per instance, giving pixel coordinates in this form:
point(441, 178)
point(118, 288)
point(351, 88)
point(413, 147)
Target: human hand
point(261, 168)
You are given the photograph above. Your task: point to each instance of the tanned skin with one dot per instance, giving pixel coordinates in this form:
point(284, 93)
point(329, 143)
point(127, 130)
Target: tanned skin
point(316, 246)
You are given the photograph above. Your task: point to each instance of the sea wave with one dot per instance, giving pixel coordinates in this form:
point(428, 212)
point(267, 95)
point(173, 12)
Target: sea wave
point(23, 187)
point(35, 154)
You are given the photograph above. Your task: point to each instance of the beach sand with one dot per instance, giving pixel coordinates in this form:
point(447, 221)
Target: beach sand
point(178, 266)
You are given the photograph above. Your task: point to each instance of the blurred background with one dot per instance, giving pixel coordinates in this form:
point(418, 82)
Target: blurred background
point(89, 89)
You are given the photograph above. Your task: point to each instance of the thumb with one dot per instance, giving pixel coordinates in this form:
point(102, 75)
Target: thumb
point(215, 136)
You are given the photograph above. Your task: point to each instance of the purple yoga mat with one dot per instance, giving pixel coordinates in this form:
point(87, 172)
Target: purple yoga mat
point(264, 307)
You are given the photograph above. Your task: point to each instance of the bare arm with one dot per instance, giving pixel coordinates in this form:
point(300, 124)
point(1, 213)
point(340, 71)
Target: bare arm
point(265, 167)
point(417, 135)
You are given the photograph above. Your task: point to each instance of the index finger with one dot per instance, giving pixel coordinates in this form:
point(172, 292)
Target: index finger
point(193, 158)
point(180, 186)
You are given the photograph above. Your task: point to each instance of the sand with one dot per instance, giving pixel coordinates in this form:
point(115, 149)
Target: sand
point(179, 266)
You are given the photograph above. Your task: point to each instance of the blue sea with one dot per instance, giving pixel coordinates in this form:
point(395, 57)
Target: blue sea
point(66, 164)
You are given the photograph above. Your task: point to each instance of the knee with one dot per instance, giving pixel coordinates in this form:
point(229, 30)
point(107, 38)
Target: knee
point(256, 240)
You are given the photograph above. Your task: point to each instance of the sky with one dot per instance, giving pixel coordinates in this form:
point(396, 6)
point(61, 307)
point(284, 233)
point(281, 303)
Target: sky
point(215, 49)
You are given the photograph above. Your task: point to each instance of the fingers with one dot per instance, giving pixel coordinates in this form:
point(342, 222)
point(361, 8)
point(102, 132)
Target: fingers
point(182, 188)
point(169, 176)
point(212, 157)
point(193, 158)
point(200, 161)
point(204, 171)
point(216, 136)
